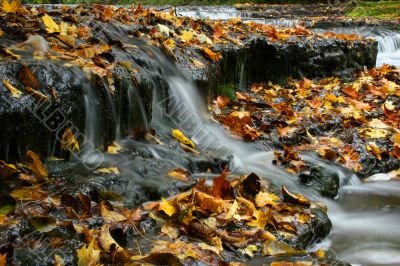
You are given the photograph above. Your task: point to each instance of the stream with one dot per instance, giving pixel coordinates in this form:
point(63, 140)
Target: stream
point(365, 215)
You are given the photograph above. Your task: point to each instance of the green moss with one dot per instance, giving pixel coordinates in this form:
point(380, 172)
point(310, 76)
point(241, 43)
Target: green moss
point(376, 9)
point(227, 90)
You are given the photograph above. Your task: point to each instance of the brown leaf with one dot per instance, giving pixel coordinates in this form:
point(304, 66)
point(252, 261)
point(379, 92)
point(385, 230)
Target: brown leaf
point(26, 77)
point(37, 94)
point(68, 141)
point(3, 259)
point(36, 165)
point(294, 198)
point(221, 185)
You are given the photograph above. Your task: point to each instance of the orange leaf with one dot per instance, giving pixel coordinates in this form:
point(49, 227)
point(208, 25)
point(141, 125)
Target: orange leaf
point(221, 185)
point(212, 55)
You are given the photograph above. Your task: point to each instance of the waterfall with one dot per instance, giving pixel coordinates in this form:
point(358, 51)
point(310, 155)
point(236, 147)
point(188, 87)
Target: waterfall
point(360, 213)
point(389, 43)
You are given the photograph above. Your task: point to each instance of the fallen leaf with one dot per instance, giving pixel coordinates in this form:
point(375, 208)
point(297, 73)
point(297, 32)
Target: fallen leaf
point(51, 25)
point(212, 55)
point(10, 7)
point(180, 174)
point(249, 250)
point(36, 165)
point(177, 134)
point(109, 170)
point(7, 169)
point(107, 241)
point(68, 141)
point(29, 193)
point(15, 92)
point(43, 224)
point(186, 36)
point(107, 212)
point(294, 198)
point(220, 185)
point(167, 207)
point(37, 94)
point(264, 198)
point(170, 231)
point(89, 256)
point(26, 77)
point(376, 133)
point(232, 210)
point(3, 259)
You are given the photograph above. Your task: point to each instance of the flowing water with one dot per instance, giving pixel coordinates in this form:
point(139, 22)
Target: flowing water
point(365, 216)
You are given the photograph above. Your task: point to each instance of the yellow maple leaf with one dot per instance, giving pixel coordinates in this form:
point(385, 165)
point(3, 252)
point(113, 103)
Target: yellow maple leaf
point(176, 133)
point(10, 7)
point(186, 36)
point(51, 25)
point(88, 256)
point(376, 133)
point(264, 198)
point(166, 207)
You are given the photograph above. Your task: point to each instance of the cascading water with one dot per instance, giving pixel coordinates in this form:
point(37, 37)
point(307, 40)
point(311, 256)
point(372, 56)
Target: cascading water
point(389, 49)
point(365, 216)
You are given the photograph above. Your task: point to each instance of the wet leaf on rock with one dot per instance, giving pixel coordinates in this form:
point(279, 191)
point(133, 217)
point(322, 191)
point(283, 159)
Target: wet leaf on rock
point(68, 141)
point(213, 55)
point(7, 169)
point(36, 165)
point(294, 198)
point(14, 91)
point(26, 77)
point(177, 134)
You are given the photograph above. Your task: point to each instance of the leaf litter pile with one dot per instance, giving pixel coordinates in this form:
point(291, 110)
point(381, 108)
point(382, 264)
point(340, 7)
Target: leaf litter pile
point(224, 222)
point(354, 124)
point(227, 221)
